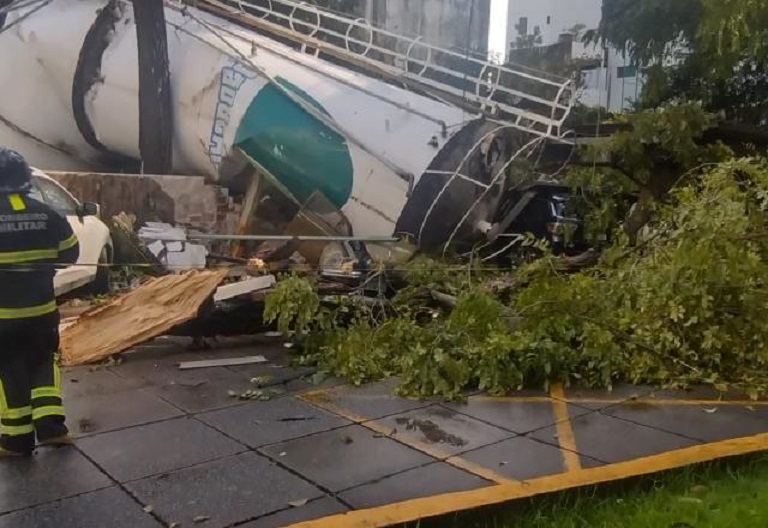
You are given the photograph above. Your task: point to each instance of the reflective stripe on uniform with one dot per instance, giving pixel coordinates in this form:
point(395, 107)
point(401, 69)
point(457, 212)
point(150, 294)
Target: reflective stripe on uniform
point(46, 392)
point(30, 311)
point(50, 410)
point(17, 202)
point(17, 257)
point(68, 243)
point(3, 403)
point(57, 377)
point(15, 414)
point(17, 430)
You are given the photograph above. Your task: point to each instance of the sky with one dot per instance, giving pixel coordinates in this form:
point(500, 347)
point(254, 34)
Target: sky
point(497, 38)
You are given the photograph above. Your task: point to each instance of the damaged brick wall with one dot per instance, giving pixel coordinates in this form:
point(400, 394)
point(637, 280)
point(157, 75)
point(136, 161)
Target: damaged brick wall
point(180, 200)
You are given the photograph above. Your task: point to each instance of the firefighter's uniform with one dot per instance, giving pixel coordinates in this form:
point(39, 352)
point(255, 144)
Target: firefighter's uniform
point(34, 241)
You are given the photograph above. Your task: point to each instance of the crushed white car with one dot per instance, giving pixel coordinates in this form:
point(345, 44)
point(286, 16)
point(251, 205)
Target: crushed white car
point(96, 249)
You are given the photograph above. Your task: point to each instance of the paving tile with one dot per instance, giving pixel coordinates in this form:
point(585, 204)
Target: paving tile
point(261, 423)
point(204, 394)
point(519, 417)
point(344, 458)
point(316, 509)
point(50, 475)
point(606, 439)
point(519, 458)
point(110, 507)
point(163, 369)
point(80, 382)
point(98, 414)
point(370, 401)
point(273, 374)
point(707, 423)
point(426, 481)
point(450, 431)
point(139, 452)
point(229, 491)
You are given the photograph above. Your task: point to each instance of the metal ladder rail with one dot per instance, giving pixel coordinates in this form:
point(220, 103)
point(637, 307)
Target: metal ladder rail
point(489, 95)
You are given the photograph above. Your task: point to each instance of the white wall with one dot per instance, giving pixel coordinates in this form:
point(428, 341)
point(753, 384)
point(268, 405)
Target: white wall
point(603, 86)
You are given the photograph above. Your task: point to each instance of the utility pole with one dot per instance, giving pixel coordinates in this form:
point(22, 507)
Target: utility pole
point(155, 104)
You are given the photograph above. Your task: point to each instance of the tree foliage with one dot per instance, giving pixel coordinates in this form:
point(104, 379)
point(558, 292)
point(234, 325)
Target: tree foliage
point(639, 165)
point(714, 51)
point(685, 306)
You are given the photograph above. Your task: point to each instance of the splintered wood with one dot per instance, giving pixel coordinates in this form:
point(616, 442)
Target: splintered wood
point(138, 316)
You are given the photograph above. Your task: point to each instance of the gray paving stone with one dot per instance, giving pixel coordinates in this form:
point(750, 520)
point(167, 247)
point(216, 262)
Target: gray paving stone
point(344, 458)
point(707, 423)
point(426, 481)
point(205, 394)
point(272, 373)
point(229, 491)
point(316, 509)
point(518, 417)
point(98, 414)
point(139, 452)
point(372, 401)
point(80, 382)
point(519, 458)
point(445, 428)
point(51, 475)
point(163, 369)
point(108, 508)
point(258, 424)
point(610, 440)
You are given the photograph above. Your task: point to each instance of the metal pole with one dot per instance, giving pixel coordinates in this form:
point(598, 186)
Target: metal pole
point(288, 238)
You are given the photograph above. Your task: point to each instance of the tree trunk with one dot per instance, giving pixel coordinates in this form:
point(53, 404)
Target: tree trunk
point(155, 105)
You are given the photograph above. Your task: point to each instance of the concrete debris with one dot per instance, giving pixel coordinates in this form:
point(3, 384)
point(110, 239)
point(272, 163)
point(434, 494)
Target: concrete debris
point(149, 311)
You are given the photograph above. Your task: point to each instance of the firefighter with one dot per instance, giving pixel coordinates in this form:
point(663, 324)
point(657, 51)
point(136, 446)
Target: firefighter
point(34, 241)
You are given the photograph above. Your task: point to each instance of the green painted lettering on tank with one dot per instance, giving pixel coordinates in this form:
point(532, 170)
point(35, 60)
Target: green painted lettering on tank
point(298, 149)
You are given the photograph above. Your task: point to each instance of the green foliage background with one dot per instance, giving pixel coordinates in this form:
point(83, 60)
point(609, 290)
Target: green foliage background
point(684, 306)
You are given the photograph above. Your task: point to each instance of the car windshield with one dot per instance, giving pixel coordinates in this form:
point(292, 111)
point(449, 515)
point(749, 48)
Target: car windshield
point(53, 195)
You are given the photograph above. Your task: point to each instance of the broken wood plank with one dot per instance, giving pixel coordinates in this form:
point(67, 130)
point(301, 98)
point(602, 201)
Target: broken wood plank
point(229, 362)
point(138, 316)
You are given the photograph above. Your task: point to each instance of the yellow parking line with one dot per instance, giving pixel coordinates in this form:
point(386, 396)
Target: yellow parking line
point(650, 400)
point(640, 399)
point(565, 436)
point(417, 509)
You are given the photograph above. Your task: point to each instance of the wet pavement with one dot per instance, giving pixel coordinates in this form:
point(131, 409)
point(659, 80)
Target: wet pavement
point(158, 446)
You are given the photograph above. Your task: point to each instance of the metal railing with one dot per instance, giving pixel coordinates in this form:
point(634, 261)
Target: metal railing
point(518, 96)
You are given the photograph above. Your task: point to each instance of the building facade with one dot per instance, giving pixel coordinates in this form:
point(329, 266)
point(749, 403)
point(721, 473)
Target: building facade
point(611, 82)
point(459, 25)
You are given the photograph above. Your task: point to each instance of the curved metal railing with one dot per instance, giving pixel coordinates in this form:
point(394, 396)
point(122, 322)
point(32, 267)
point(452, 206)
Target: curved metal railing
point(520, 97)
